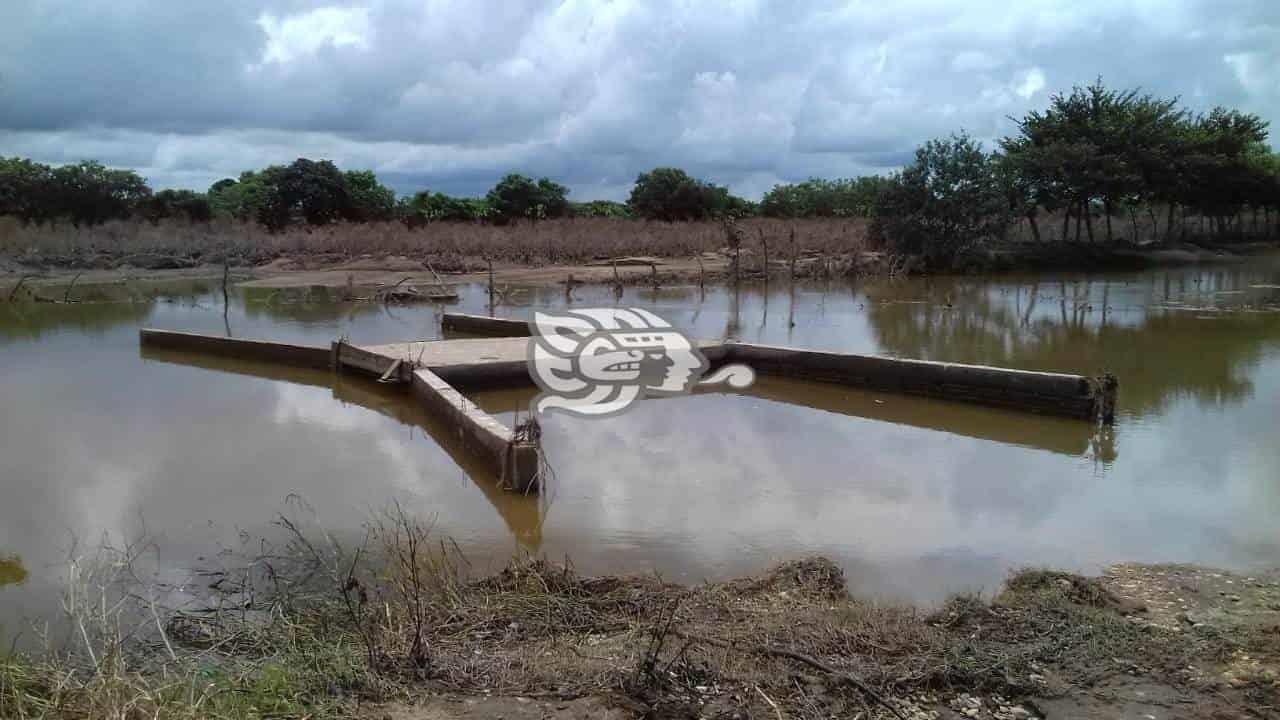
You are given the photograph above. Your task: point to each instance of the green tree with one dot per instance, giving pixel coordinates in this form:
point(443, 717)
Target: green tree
point(370, 200)
point(241, 199)
point(224, 198)
point(1225, 166)
point(184, 204)
point(815, 197)
point(88, 192)
point(1095, 146)
point(945, 202)
point(427, 207)
point(516, 196)
point(599, 209)
point(25, 188)
point(313, 190)
point(670, 194)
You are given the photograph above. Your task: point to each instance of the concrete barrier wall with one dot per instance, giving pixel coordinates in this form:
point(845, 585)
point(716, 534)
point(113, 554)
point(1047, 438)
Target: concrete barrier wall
point(515, 462)
point(487, 375)
point(1041, 392)
point(309, 356)
point(348, 356)
point(1058, 434)
point(482, 325)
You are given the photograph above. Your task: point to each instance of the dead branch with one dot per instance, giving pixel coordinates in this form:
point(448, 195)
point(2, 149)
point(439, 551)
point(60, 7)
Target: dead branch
point(66, 297)
point(769, 700)
point(802, 658)
point(17, 287)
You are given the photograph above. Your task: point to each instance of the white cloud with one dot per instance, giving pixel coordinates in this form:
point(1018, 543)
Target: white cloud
point(1255, 71)
point(294, 36)
point(1032, 83)
point(452, 94)
point(974, 61)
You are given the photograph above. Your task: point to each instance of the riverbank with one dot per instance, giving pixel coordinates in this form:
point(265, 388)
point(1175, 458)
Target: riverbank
point(365, 272)
point(413, 639)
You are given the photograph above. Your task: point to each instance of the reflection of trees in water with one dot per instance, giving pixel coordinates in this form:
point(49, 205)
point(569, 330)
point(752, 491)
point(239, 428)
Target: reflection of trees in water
point(28, 321)
point(1060, 326)
point(11, 570)
point(98, 306)
point(303, 305)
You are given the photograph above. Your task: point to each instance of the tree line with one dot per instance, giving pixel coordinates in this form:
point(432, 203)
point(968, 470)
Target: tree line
point(1094, 162)
point(317, 192)
point(1098, 161)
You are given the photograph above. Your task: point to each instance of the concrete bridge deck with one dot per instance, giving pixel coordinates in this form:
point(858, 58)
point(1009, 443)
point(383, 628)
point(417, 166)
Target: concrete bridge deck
point(430, 370)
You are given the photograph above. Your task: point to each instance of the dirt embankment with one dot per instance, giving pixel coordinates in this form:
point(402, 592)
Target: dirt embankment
point(370, 271)
point(374, 270)
point(793, 644)
point(413, 640)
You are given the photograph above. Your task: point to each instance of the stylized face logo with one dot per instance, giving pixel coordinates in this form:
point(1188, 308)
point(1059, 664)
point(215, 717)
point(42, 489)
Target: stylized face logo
point(598, 361)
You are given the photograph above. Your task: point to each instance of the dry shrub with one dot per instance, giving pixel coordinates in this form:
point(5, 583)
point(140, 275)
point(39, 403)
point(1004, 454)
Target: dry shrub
point(451, 246)
point(1075, 588)
point(312, 623)
point(815, 577)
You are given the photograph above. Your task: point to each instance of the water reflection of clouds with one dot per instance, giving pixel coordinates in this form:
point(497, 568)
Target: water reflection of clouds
point(744, 485)
point(388, 443)
point(697, 486)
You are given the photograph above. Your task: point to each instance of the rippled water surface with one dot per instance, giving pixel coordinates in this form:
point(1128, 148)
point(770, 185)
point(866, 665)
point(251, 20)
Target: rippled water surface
point(915, 498)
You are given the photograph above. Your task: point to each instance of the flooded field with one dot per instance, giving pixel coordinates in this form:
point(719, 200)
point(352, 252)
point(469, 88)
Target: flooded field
point(915, 498)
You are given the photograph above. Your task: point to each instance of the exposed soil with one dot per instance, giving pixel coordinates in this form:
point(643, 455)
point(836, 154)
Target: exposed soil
point(792, 644)
point(465, 707)
point(295, 272)
point(371, 271)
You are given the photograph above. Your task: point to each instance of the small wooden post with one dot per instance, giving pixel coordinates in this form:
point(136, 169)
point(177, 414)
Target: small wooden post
point(226, 275)
point(1105, 388)
point(764, 242)
point(793, 255)
point(489, 260)
point(335, 355)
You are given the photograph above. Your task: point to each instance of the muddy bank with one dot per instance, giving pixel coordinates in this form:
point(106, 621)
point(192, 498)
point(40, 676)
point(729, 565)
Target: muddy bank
point(792, 643)
point(362, 272)
point(413, 640)
point(1094, 257)
point(370, 271)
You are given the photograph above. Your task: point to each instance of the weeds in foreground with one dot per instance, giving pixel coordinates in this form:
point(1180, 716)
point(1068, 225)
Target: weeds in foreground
point(311, 628)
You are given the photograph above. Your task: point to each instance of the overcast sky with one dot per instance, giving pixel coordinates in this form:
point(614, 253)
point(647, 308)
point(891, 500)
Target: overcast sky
point(452, 95)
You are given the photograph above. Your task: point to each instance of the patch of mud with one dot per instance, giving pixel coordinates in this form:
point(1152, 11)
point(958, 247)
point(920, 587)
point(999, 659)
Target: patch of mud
point(518, 707)
point(1178, 597)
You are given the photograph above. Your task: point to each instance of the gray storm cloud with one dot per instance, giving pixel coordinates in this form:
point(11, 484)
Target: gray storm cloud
point(450, 95)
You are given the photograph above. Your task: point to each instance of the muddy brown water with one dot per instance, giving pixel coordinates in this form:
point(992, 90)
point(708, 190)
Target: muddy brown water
point(915, 498)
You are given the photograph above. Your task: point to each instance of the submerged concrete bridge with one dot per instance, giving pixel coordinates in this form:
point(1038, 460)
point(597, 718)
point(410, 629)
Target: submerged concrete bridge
point(432, 371)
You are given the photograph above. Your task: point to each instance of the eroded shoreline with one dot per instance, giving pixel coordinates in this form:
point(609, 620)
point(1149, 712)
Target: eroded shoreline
point(301, 270)
point(413, 639)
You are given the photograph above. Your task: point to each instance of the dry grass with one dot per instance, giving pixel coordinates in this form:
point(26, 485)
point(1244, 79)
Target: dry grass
point(312, 629)
point(451, 246)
